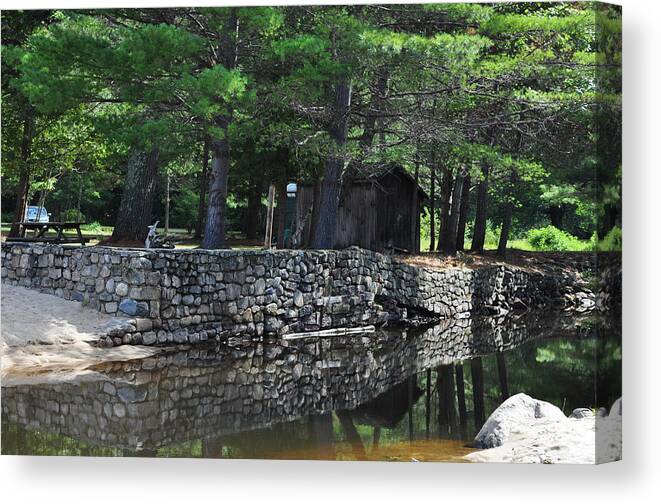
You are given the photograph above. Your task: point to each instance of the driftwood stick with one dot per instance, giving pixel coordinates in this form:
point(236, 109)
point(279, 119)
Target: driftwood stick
point(328, 333)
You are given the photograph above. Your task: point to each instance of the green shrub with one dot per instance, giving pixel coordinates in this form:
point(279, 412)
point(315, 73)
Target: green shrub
point(94, 227)
point(184, 210)
point(71, 215)
point(552, 239)
point(612, 241)
point(7, 217)
point(491, 236)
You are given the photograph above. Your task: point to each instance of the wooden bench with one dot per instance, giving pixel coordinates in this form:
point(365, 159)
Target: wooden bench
point(41, 228)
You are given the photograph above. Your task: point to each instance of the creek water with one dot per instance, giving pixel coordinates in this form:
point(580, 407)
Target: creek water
point(399, 394)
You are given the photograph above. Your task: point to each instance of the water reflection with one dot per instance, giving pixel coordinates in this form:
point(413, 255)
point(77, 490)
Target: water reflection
point(397, 395)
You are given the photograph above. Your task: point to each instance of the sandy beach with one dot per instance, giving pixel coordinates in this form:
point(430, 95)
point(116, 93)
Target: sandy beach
point(45, 337)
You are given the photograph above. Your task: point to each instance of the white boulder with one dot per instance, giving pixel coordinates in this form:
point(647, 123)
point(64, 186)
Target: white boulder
point(525, 430)
point(515, 416)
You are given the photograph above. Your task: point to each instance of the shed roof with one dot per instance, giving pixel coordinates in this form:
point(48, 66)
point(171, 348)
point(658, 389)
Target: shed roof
point(372, 172)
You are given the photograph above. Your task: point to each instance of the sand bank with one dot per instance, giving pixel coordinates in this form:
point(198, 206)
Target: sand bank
point(44, 336)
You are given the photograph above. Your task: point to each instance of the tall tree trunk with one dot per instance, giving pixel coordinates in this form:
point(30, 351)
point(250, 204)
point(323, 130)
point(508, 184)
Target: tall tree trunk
point(204, 182)
point(432, 206)
point(463, 214)
point(135, 208)
point(509, 207)
point(480, 228)
point(556, 213)
point(24, 179)
point(214, 229)
point(450, 244)
point(281, 189)
point(428, 404)
point(507, 217)
point(80, 198)
point(324, 233)
point(415, 210)
point(322, 435)
point(167, 204)
point(351, 433)
point(412, 381)
point(446, 197)
point(21, 202)
point(505, 230)
point(376, 437)
point(314, 218)
point(477, 379)
point(375, 110)
point(446, 394)
point(609, 218)
point(254, 207)
point(461, 395)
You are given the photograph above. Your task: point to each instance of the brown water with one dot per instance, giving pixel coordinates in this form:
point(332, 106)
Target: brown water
point(398, 395)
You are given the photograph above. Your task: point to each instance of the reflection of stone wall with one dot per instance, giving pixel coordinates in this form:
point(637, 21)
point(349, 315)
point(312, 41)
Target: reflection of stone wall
point(191, 296)
point(204, 393)
point(609, 289)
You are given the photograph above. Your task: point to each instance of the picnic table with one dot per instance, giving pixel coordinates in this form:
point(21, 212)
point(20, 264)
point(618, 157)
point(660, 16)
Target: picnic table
point(41, 228)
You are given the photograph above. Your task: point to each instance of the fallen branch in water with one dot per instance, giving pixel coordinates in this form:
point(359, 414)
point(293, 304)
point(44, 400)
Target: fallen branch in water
point(327, 333)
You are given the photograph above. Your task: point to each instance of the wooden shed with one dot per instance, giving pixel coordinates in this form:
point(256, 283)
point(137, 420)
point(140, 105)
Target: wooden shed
point(379, 209)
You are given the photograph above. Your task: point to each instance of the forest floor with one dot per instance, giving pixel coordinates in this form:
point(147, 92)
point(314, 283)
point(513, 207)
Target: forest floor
point(518, 255)
point(544, 262)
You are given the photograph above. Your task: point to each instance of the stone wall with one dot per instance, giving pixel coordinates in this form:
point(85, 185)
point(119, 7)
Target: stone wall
point(188, 296)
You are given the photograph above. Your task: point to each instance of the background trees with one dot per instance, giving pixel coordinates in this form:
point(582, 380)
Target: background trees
point(503, 113)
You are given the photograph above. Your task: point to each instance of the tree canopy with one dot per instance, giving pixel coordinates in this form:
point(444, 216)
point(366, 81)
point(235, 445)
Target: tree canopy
point(507, 115)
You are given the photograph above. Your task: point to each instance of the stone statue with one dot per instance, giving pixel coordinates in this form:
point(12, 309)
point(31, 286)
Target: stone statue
point(151, 235)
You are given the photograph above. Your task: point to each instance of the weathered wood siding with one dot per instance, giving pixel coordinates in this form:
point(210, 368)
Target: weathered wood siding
point(393, 212)
point(356, 218)
point(373, 215)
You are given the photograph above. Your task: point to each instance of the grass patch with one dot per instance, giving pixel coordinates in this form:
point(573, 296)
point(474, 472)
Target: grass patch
point(548, 239)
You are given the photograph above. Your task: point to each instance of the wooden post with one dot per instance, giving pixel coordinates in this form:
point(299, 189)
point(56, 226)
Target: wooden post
point(269, 218)
point(167, 204)
point(80, 196)
point(204, 182)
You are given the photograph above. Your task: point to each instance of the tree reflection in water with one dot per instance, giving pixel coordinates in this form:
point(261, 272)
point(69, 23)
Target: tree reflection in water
point(345, 398)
